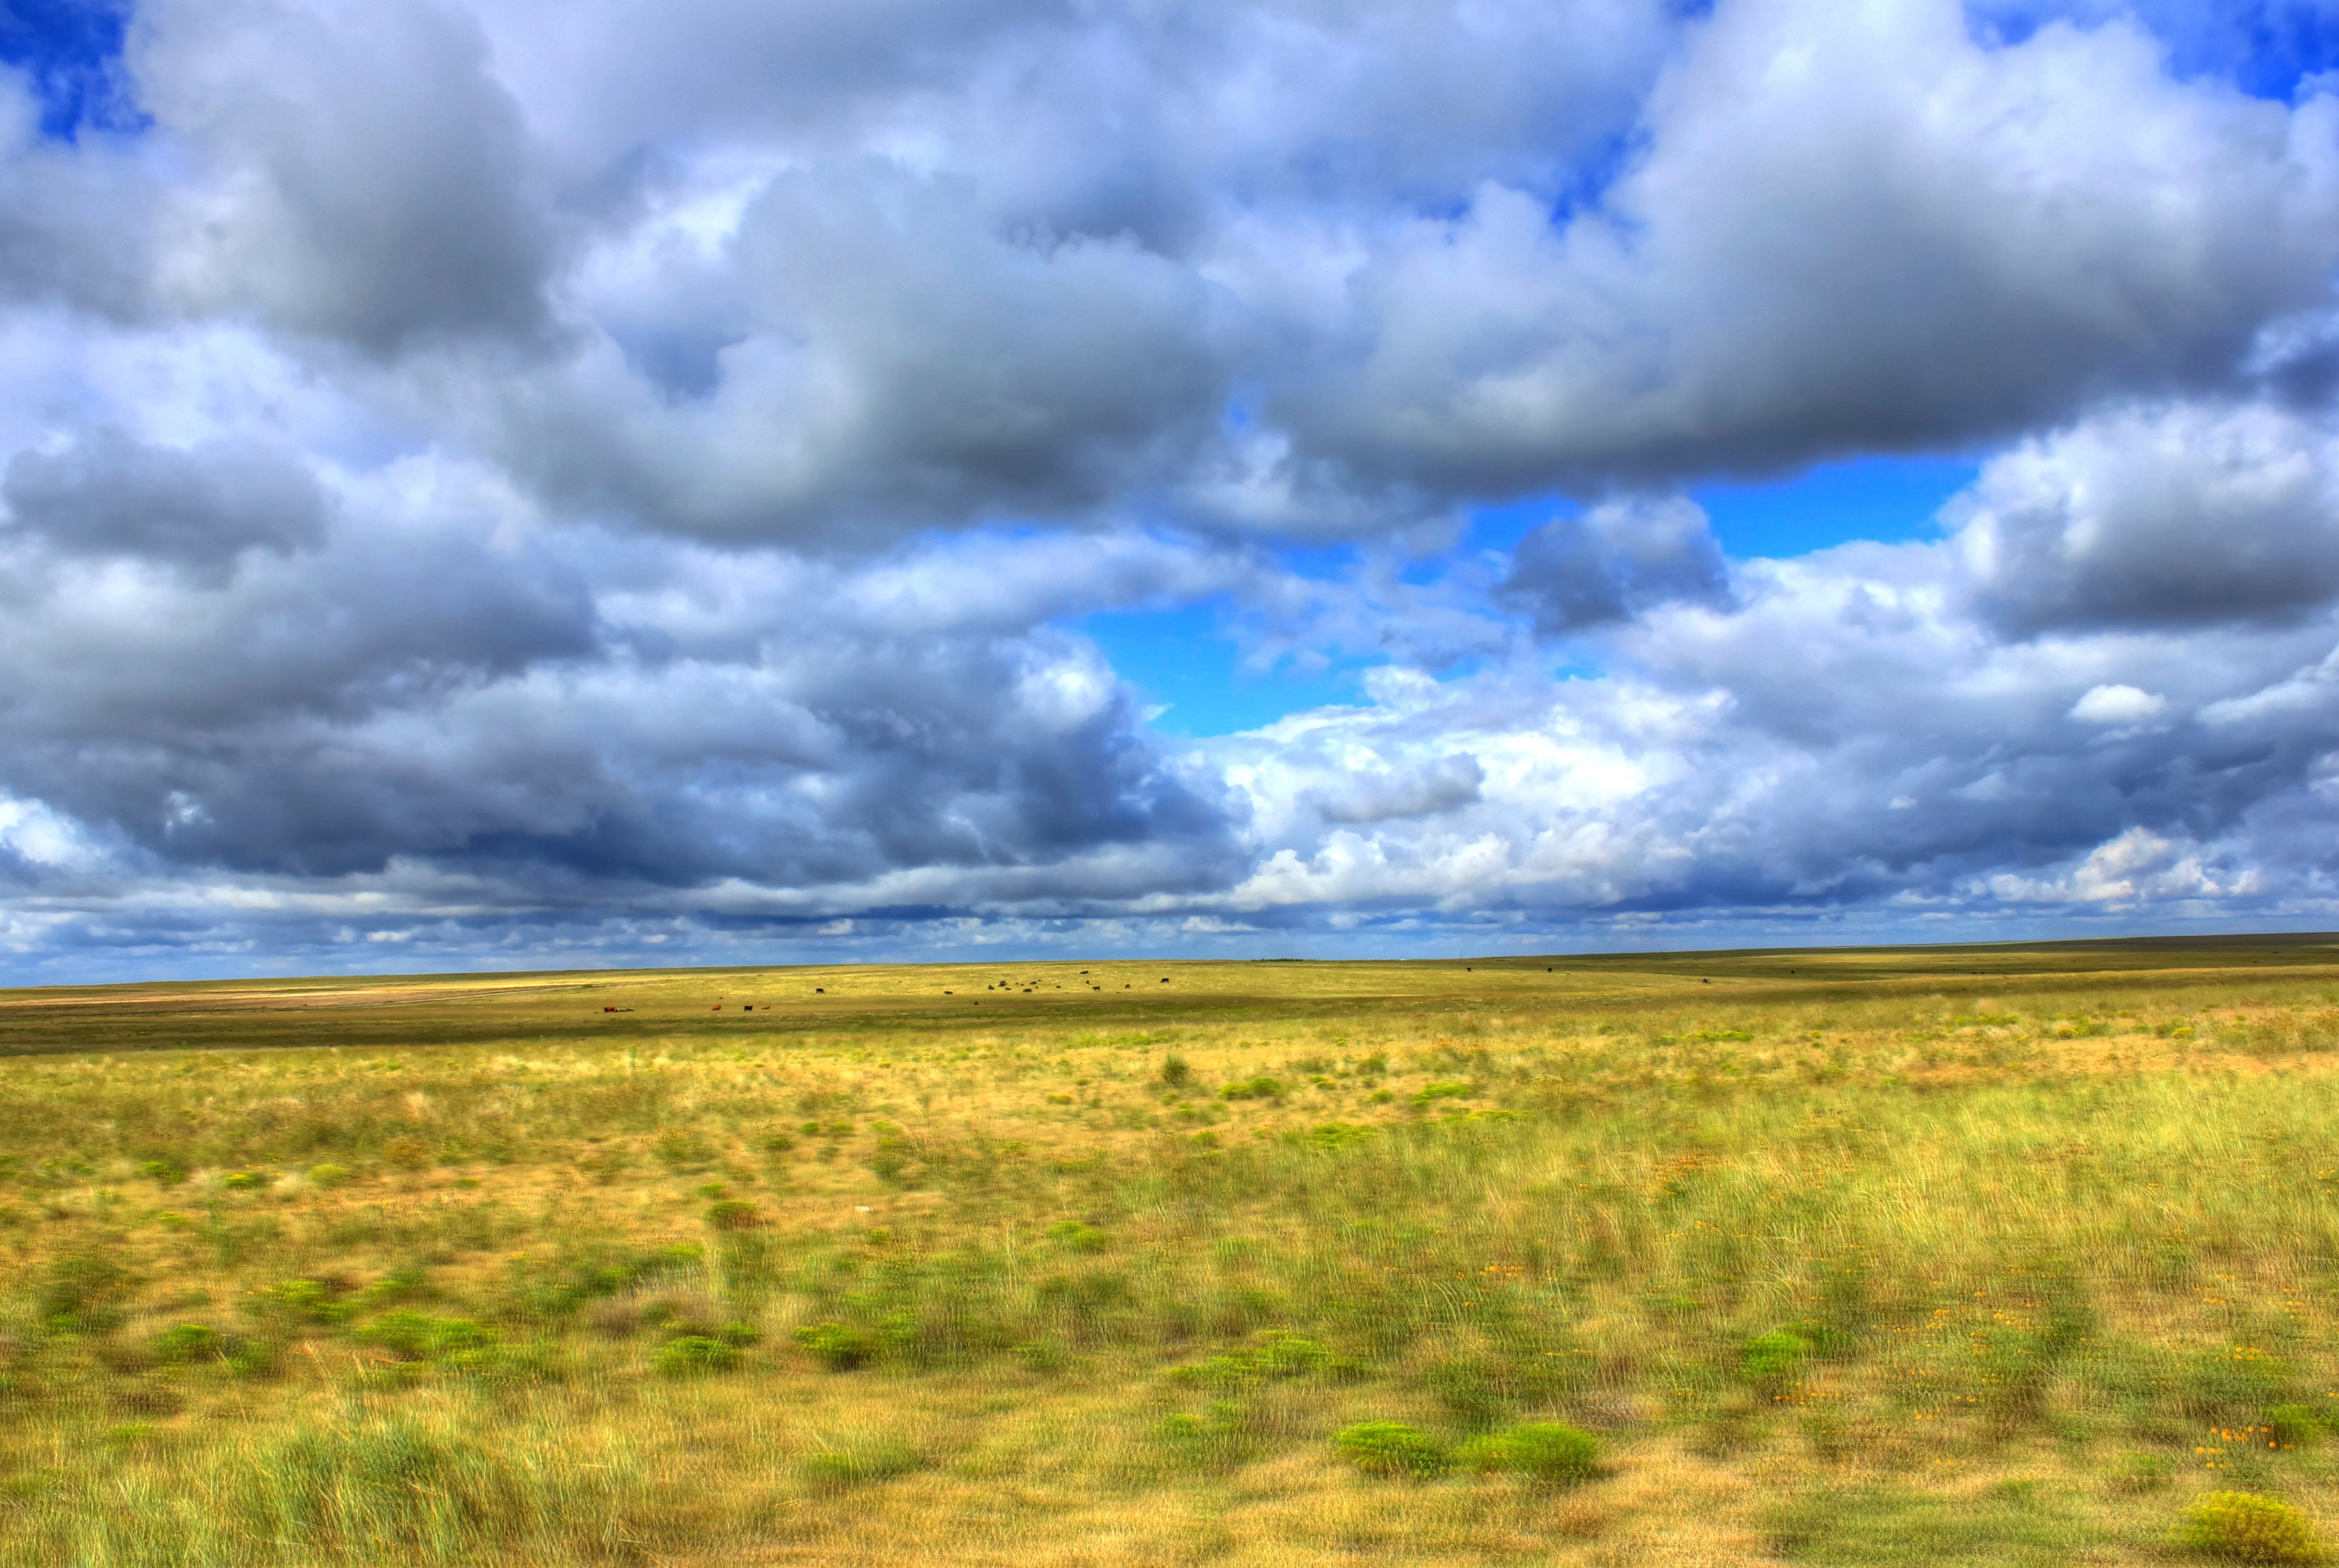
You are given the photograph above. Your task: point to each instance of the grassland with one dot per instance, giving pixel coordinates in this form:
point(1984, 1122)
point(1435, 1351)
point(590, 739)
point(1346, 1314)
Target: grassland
point(2003, 1254)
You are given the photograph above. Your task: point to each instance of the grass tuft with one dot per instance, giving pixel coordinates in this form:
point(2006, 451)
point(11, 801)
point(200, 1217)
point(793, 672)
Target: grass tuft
point(2243, 1527)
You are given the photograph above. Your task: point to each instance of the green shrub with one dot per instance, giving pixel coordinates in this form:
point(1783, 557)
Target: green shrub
point(400, 1492)
point(242, 1180)
point(1276, 1356)
point(1772, 1362)
point(2298, 1426)
point(298, 1302)
point(683, 1149)
point(1488, 1454)
point(1219, 1440)
point(407, 1284)
point(890, 1161)
point(2139, 1473)
point(80, 1292)
point(129, 1434)
point(1225, 1373)
point(1390, 1449)
point(1282, 1355)
point(1476, 1395)
point(835, 1469)
point(250, 1356)
point(1175, 1072)
point(734, 1214)
point(1185, 1436)
point(163, 1172)
point(839, 1346)
point(186, 1343)
point(405, 1334)
point(414, 1336)
point(1548, 1453)
point(1074, 1236)
point(1554, 1453)
point(694, 1356)
point(1431, 1093)
point(2232, 1385)
point(328, 1175)
point(2242, 1527)
point(676, 1258)
point(1259, 1087)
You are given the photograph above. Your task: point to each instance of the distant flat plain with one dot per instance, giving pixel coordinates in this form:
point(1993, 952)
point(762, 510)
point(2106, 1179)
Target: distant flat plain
point(2002, 1254)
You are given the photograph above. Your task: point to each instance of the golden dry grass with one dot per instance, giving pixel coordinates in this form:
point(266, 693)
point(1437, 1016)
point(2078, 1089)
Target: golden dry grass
point(2053, 1228)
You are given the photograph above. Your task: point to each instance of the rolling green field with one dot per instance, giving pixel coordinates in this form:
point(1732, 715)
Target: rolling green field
point(2005, 1255)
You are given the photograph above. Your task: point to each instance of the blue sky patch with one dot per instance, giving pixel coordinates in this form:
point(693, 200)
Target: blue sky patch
point(71, 51)
point(1888, 499)
point(1192, 660)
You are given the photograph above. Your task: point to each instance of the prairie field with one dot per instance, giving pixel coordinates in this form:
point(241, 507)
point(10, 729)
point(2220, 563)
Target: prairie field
point(1993, 1254)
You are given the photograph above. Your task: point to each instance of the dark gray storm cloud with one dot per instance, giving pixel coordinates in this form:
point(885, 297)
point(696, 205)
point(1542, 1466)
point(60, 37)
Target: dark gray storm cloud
point(601, 474)
point(436, 702)
point(197, 509)
point(357, 172)
point(2189, 516)
point(1619, 560)
point(883, 358)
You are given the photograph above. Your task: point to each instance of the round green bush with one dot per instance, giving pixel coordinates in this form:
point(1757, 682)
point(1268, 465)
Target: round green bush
point(1390, 1449)
point(405, 1333)
point(1073, 1236)
point(188, 1342)
point(734, 1214)
point(1548, 1453)
point(2243, 1527)
point(839, 1346)
point(2298, 1426)
point(696, 1356)
point(1772, 1361)
point(835, 1469)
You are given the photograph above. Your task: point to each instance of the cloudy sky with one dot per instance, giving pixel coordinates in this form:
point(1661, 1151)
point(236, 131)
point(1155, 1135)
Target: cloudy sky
point(485, 483)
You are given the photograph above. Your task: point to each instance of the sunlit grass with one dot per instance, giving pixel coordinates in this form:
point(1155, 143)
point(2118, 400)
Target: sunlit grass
point(1975, 1255)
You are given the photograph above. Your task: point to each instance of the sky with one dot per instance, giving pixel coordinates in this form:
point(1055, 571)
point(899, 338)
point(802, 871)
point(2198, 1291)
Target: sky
point(491, 485)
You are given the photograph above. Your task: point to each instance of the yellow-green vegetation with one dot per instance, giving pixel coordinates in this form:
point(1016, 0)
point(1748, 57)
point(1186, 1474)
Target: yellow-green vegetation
point(2242, 1527)
point(1952, 1255)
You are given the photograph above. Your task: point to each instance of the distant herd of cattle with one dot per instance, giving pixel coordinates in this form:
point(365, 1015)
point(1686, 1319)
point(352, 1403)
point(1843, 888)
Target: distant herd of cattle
point(822, 991)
